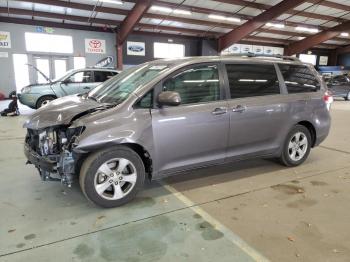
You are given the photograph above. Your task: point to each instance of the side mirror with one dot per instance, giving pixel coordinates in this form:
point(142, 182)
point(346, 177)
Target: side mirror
point(169, 98)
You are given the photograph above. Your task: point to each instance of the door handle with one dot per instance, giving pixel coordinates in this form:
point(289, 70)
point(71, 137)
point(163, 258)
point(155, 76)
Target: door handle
point(219, 111)
point(239, 109)
point(86, 87)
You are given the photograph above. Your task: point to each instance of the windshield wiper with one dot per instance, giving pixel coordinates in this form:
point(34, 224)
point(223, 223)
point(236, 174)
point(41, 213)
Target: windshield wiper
point(93, 98)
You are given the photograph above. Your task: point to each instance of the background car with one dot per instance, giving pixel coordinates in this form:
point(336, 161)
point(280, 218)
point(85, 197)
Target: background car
point(73, 82)
point(340, 86)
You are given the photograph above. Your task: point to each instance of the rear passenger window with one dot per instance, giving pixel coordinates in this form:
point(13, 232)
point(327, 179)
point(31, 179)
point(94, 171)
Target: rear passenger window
point(247, 80)
point(101, 76)
point(299, 79)
point(195, 85)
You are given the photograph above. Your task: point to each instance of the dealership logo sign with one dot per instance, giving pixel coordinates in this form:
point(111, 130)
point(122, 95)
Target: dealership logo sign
point(105, 62)
point(136, 48)
point(5, 39)
point(97, 46)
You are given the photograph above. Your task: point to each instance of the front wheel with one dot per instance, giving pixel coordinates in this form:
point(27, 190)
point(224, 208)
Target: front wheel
point(112, 177)
point(296, 147)
point(43, 101)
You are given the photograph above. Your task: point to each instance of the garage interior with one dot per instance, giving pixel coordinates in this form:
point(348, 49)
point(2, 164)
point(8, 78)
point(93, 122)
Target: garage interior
point(254, 210)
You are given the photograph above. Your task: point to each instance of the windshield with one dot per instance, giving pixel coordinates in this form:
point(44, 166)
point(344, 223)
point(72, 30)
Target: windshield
point(118, 88)
point(61, 78)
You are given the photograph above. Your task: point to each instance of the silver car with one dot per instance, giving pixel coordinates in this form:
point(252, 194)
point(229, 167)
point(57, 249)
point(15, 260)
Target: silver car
point(168, 116)
point(73, 82)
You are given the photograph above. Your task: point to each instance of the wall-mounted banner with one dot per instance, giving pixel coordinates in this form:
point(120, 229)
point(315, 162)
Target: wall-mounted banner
point(268, 50)
point(105, 62)
point(95, 46)
point(42, 29)
point(323, 61)
point(5, 39)
point(136, 48)
point(246, 48)
point(258, 49)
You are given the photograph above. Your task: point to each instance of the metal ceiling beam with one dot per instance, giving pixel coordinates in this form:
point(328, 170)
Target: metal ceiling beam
point(249, 27)
point(308, 42)
point(290, 12)
point(132, 19)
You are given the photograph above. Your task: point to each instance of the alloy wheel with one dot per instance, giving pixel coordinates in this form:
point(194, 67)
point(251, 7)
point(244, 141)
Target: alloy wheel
point(297, 146)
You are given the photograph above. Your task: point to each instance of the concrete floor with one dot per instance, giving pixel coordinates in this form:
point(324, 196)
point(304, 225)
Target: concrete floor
point(249, 211)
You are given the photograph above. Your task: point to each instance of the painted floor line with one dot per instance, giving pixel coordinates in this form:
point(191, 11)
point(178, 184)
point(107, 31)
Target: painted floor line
point(235, 239)
point(335, 149)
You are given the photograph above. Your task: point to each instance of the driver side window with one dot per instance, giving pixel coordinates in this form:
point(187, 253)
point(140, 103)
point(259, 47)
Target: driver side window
point(195, 85)
point(81, 77)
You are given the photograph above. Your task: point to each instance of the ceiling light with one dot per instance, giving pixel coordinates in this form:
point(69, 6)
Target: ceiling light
point(344, 34)
point(306, 29)
point(161, 9)
point(117, 2)
point(182, 12)
point(221, 17)
point(275, 25)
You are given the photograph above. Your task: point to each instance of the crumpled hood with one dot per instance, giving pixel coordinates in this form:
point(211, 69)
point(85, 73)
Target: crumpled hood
point(60, 112)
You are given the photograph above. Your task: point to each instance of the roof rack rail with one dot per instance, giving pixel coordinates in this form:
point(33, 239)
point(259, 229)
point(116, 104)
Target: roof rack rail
point(268, 56)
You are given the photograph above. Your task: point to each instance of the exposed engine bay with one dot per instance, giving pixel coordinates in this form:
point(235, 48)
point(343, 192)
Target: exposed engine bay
point(51, 151)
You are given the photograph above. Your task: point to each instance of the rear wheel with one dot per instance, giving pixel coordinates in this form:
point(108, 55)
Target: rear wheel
point(112, 177)
point(43, 101)
point(296, 147)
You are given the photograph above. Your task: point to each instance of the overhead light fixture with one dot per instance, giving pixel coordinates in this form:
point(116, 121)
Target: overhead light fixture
point(344, 34)
point(277, 25)
point(161, 8)
point(306, 29)
point(117, 2)
point(170, 10)
point(182, 12)
point(224, 18)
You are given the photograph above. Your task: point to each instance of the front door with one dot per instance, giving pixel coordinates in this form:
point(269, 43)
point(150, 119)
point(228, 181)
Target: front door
point(195, 133)
point(79, 82)
point(257, 114)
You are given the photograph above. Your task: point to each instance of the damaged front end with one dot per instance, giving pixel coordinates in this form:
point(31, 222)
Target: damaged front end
point(50, 150)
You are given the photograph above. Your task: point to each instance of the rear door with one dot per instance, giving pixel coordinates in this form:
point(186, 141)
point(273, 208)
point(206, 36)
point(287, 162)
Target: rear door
point(195, 133)
point(257, 114)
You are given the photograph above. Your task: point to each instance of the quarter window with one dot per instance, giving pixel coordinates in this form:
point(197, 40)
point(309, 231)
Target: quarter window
point(195, 85)
point(81, 77)
point(247, 80)
point(299, 79)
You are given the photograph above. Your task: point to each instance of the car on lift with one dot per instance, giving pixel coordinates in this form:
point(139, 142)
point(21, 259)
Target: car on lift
point(169, 116)
point(72, 82)
point(339, 86)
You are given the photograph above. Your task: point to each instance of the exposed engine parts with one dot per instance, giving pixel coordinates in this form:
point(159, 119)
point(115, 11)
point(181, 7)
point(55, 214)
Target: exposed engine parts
point(50, 150)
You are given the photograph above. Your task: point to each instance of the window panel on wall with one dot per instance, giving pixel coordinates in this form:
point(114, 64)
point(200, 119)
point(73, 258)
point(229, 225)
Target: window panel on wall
point(247, 80)
point(20, 62)
point(166, 50)
point(79, 62)
point(48, 43)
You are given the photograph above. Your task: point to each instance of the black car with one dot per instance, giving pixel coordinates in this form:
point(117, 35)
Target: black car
point(340, 86)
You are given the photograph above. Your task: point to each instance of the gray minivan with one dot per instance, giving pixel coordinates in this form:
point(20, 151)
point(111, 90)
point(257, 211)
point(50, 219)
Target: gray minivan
point(168, 116)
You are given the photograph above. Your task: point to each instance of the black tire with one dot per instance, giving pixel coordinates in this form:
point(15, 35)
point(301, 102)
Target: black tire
point(41, 100)
point(285, 157)
point(89, 173)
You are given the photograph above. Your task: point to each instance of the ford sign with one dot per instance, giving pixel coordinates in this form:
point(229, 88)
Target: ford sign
point(136, 48)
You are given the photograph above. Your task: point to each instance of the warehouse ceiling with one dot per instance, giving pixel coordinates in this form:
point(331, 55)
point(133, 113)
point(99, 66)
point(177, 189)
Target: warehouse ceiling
point(202, 18)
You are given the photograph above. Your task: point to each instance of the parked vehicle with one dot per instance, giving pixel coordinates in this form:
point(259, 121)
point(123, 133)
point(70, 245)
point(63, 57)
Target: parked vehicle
point(73, 82)
point(340, 86)
point(168, 116)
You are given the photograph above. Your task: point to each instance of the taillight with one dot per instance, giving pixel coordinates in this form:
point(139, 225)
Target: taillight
point(328, 99)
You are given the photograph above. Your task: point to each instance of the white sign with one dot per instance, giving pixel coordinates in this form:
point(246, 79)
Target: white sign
point(5, 39)
point(235, 49)
point(95, 46)
point(258, 49)
point(246, 48)
point(323, 61)
point(4, 55)
point(136, 48)
point(278, 51)
point(268, 50)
